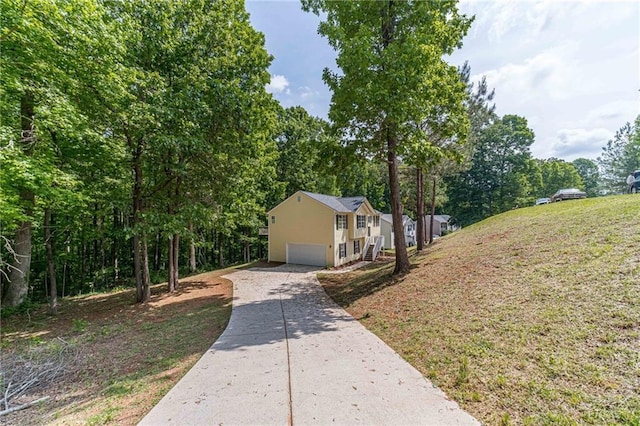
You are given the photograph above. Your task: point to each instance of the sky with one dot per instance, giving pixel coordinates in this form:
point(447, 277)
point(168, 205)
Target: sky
point(571, 68)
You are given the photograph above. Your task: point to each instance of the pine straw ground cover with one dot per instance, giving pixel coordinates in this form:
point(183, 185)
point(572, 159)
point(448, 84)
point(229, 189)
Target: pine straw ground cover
point(120, 358)
point(529, 317)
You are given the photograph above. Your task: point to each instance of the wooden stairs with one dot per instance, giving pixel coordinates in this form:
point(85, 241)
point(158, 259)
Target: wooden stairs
point(368, 256)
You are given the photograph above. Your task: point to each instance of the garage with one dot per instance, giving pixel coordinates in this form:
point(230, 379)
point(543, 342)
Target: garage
point(307, 254)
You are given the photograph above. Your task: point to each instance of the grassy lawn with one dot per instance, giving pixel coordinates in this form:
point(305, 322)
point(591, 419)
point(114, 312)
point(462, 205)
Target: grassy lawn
point(529, 317)
point(119, 358)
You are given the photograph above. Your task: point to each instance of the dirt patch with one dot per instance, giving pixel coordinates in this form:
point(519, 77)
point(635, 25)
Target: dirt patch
point(127, 356)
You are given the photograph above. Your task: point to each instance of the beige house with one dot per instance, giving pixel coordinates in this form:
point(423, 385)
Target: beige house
point(323, 230)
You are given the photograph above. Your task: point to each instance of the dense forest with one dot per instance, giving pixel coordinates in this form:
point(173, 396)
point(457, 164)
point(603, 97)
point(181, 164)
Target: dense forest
point(138, 142)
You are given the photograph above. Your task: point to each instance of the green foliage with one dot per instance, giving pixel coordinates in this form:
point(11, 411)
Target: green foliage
point(392, 79)
point(22, 309)
point(177, 87)
point(306, 150)
point(79, 325)
point(588, 171)
point(557, 174)
point(620, 157)
point(394, 95)
point(498, 178)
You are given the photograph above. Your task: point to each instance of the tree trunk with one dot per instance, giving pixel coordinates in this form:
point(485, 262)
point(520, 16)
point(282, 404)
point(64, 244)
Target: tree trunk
point(18, 285)
point(247, 246)
point(192, 251)
point(94, 255)
point(114, 246)
point(171, 285)
point(176, 256)
point(156, 253)
point(137, 267)
point(137, 210)
point(433, 210)
point(146, 279)
point(402, 258)
point(220, 250)
point(53, 289)
point(419, 210)
point(213, 246)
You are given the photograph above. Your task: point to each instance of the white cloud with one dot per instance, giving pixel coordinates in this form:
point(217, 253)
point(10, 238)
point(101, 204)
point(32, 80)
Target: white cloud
point(307, 92)
point(500, 19)
point(278, 84)
point(574, 143)
point(617, 111)
point(550, 75)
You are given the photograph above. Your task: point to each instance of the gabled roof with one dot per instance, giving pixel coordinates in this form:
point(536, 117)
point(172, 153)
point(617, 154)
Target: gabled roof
point(442, 218)
point(339, 204)
point(389, 218)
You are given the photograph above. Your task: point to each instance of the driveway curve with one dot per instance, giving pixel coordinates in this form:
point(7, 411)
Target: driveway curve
point(290, 355)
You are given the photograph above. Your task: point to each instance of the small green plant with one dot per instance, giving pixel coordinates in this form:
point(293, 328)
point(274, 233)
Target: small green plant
point(463, 372)
point(107, 415)
point(501, 381)
point(119, 389)
point(24, 308)
point(79, 325)
point(505, 420)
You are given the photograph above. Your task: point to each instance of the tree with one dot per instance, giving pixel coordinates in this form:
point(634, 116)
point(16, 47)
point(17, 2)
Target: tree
point(390, 55)
point(302, 141)
point(478, 112)
point(44, 74)
point(498, 179)
point(197, 122)
point(557, 174)
point(620, 157)
point(588, 171)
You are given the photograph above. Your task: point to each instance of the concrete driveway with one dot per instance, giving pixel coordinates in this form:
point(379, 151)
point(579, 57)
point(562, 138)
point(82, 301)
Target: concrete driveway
point(290, 355)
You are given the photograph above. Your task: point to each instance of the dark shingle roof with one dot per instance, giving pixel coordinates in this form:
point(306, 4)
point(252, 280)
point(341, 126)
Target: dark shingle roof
point(339, 204)
point(389, 218)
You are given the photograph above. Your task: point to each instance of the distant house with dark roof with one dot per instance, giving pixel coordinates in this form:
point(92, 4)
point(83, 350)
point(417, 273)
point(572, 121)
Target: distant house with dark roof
point(441, 224)
point(386, 229)
point(323, 230)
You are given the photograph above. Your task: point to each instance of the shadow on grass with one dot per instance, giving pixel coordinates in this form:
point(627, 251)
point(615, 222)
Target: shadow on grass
point(347, 288)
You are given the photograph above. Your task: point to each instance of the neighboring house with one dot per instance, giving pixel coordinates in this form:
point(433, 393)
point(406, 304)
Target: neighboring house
point(323, 230)
point(441, 224)
point(386, 229)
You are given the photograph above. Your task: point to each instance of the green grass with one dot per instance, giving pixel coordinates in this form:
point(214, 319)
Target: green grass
point(529, 317)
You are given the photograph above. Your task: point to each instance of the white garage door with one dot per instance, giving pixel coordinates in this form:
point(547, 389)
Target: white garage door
point(307, 254)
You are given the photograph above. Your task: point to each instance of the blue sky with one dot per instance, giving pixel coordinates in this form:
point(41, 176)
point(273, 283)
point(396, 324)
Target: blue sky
point(571, 68)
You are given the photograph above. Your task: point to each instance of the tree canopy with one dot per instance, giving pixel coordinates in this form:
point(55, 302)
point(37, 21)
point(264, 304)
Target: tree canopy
point(392, 78)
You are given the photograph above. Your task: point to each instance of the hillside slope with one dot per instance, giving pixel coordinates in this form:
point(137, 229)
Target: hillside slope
point(529, 317)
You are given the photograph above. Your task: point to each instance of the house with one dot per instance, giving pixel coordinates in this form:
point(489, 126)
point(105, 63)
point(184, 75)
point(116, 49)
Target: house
point(441, 224)
point(386, 229)
point(323, 230)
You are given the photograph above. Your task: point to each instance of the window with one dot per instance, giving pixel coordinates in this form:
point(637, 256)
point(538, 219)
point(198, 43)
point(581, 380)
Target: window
point(343, 250)
point(361, 221)
point(376, 221)
point(273, 219)
point(341, 221)
point(356, 247)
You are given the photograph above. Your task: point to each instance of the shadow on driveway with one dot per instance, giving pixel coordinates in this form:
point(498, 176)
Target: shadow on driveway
point(271, 305)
